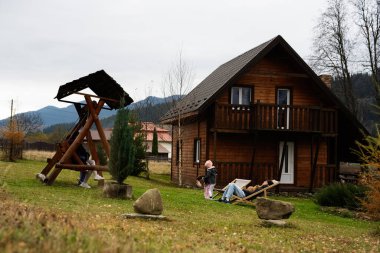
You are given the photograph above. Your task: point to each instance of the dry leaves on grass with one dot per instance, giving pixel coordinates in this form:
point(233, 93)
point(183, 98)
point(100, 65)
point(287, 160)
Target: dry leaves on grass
point(40, 230)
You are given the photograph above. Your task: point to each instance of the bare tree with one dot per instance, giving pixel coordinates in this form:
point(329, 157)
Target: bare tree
point(28, 122)
point(368, 21)
point(333, 48)
point(176, 84)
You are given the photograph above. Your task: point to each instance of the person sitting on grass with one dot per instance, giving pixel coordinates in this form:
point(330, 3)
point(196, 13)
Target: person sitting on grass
point(233, 189)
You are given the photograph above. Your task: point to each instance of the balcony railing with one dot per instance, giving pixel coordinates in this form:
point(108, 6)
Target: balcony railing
point(276, 117)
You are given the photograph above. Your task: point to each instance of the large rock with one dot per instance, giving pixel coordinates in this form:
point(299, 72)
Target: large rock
point(149, 203)
point(268, 209)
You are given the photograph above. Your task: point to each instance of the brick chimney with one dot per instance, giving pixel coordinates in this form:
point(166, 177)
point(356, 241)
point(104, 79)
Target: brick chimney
point(327, 79)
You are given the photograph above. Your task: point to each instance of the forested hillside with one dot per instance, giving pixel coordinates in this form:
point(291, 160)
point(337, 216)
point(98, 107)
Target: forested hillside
point(364, 92)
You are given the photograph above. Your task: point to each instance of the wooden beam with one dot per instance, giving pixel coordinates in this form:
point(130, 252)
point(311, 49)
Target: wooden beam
point(336, 161)
point(93, 151)
point(98, 124)
point(94, 96)
point(57, 156)
point(81, 167)
point(253, 154)
point(215, 146)
point(92, 147)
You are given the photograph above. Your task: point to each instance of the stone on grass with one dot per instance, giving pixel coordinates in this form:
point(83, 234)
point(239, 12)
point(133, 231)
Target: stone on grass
point(149, 203)
point(268, 209)
point(278, 223)
point(144, 216)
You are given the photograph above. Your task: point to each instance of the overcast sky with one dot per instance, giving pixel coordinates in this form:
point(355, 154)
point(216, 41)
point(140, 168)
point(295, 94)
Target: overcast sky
point(44, 44)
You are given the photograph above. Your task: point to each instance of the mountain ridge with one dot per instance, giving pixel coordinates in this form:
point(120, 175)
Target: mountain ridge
point(52, 115)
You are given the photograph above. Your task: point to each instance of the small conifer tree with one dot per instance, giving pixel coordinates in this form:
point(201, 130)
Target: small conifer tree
point(140, 162)
point(101, 154)
point(123, 151)
point(155, 143)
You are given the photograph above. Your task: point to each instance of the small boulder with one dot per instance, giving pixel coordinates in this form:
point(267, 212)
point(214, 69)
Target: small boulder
point(268, 209)
point(149, 203)
point(277, 223)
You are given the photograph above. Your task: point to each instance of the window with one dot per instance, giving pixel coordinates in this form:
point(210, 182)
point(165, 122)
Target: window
point(197, 150)
point(283, 97)
point(283, 110)
point(240, 96)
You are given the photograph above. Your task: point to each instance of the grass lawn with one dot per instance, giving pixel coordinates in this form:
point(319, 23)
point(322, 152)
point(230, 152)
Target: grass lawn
point(66, 218)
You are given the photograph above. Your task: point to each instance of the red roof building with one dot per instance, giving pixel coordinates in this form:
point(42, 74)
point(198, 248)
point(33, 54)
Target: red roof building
point(163, 136)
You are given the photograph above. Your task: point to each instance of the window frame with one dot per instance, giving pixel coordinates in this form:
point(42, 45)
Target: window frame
point(240, 98)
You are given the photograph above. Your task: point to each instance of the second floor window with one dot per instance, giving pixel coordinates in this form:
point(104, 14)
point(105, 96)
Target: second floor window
point(240, 95)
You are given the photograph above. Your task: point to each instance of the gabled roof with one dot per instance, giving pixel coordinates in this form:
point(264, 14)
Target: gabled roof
point(202, 95)
point(101, 84)
point(215, 82)
point(149, 127)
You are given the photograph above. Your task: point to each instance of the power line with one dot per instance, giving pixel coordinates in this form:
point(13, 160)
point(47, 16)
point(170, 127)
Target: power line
point(355, 61)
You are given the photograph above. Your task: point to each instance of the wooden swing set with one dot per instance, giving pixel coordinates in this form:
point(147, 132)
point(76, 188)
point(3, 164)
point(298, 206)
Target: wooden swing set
point(108, 92)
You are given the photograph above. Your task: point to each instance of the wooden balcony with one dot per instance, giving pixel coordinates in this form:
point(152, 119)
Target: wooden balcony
point(274, 117)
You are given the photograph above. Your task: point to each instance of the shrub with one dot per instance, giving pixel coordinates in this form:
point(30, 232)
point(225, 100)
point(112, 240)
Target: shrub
point(155, 143)
point(369, 153)
point(101, 154)
point(340, 195)
point(140, 164)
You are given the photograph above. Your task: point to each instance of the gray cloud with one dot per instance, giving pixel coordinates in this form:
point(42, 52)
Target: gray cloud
point(45, 44)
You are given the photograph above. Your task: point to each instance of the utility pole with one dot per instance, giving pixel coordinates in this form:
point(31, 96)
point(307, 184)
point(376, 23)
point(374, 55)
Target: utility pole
point(11, 133)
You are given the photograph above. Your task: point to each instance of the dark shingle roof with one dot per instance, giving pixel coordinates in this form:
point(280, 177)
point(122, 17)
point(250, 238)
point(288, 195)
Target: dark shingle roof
point(202, 95)
point(101, 84)
point(214, 82)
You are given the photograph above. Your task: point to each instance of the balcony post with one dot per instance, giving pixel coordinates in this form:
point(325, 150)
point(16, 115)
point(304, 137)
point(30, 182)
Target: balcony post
point(216, 116)
point(258, 115)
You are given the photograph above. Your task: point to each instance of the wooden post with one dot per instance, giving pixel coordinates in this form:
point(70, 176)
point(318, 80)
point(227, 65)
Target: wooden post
point(93, 151)
point(253, 154)
point(91, 146)
point(336, 161)
point(314, 167)
point(95, 117)
point(215, 145)
point(51, 162)
point(81, 167)
point(258, 115)
point(216, 116)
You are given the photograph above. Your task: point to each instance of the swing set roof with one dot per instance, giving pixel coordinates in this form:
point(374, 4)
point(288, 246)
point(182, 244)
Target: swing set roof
point(101, 84)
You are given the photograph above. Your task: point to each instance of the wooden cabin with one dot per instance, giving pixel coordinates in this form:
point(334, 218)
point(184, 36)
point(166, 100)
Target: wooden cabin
point(264, 115)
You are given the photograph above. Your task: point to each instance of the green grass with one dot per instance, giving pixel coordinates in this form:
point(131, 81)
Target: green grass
point(66, 218)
